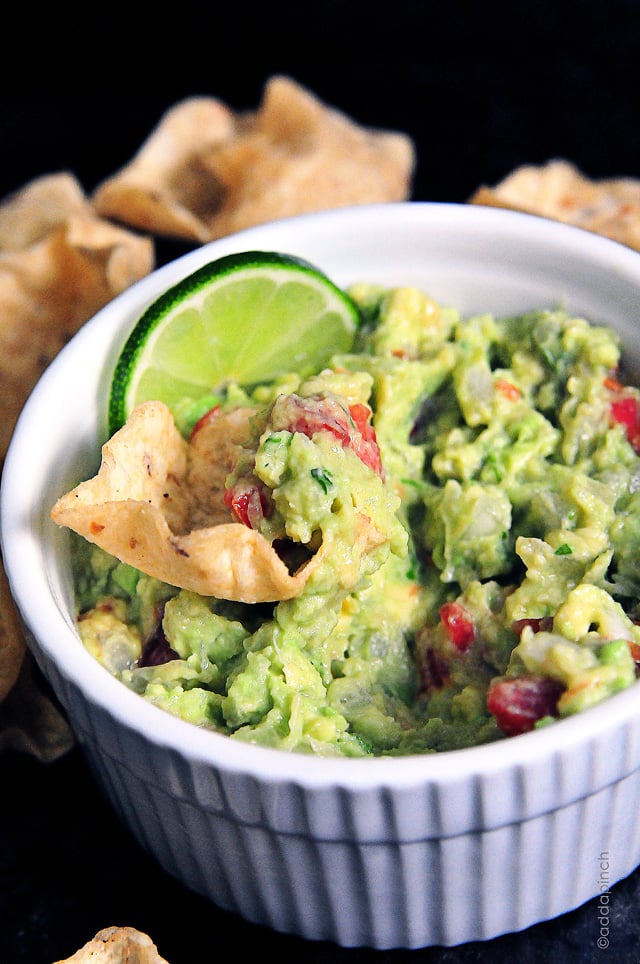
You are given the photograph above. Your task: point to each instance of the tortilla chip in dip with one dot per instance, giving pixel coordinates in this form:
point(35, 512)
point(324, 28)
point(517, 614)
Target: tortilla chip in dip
point(117, 945)
point(207, 171)
point(141, 505)
point(560, 191)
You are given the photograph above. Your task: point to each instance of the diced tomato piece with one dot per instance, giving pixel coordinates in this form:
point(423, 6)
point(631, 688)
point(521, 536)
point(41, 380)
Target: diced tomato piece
point(625, 411)
point(544, 624)
point(634, 649)
point(517, 704)
point(312, 416)
point(352, 429)
point(205, 419)
point(238, 504)
point(459, 625)
point(249, 503)
point(366, 447)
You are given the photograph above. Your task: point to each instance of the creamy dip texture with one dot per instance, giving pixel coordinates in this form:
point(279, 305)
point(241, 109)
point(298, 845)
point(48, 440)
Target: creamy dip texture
point(475, 484)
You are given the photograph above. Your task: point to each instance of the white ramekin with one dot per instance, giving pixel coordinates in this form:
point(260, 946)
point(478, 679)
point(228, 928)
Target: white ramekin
point(408, 852)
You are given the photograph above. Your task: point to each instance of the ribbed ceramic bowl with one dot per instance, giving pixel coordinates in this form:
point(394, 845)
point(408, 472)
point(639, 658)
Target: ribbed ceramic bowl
point(436, 849)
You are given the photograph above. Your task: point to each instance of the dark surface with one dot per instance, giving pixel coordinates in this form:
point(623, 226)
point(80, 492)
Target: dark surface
point(68, 869)
point(481, 88)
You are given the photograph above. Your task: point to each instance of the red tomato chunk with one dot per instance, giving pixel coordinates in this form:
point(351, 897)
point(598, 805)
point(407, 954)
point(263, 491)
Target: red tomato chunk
point(248, 503)
point(459, 625)
point(625, 411)
point(518, 704)
point(351, 428)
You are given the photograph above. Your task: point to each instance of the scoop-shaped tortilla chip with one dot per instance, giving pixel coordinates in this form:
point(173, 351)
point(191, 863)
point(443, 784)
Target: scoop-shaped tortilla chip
point(164, 189)
point(59, 264)
point(207, 171)
point(139, 507)
point(560, 191)
point(298, 155)
point(40, 206)
point(117, 945)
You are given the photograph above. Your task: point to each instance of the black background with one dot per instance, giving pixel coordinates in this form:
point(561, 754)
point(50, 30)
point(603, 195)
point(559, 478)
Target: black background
point(481, 88)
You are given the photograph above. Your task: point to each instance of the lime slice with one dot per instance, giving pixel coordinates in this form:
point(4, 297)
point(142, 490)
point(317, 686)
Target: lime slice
point(245, 317)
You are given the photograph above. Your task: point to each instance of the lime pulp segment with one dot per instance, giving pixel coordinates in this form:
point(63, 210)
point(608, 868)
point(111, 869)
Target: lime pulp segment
point(244, 318)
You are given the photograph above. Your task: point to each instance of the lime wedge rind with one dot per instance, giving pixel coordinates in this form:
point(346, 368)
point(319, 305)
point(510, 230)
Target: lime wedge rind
point(246, 317)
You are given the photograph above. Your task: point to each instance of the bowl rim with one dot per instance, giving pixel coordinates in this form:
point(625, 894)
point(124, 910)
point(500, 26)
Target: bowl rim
point(54, 635)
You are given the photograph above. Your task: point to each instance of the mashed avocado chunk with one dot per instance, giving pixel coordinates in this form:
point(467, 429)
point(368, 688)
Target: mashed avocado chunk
point(473, 486)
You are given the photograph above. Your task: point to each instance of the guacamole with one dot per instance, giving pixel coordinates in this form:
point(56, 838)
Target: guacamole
point(474, 484)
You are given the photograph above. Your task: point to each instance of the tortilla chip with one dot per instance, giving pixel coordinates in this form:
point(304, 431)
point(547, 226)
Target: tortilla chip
point(30, 721)
point(298, 156)
point(293, 155)
point(117, 945)
point(164, 189)
point(139, 508)
point(11, 641)
point(560, 191)
point(38, 208)
point(59, 264)
point(49, 289)
point(215, 446)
